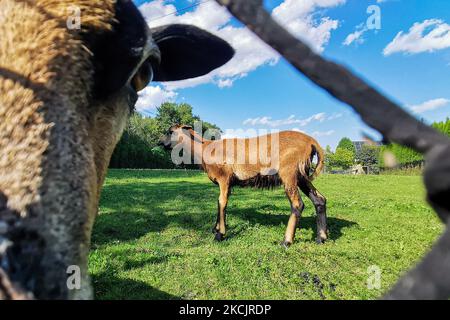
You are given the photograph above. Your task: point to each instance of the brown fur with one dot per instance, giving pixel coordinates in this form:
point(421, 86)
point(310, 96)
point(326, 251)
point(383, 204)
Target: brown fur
point(65, 96)
point(232, 167)
point(55, 141)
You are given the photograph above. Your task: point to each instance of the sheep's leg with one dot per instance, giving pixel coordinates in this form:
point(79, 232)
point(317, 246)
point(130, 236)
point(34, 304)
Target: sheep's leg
point(320, 203)
point(221, 211)
point(215, 229)
point(296, 210)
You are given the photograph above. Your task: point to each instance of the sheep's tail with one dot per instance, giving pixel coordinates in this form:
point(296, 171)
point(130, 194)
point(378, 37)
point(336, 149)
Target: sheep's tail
point(316, 150)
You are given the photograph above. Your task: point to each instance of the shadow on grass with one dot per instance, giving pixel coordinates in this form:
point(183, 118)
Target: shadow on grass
point(135, 209)
point(107, 286)
point(130, 264)
point(335, 225)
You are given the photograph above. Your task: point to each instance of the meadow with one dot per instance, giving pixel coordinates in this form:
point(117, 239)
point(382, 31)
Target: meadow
point(152, 238)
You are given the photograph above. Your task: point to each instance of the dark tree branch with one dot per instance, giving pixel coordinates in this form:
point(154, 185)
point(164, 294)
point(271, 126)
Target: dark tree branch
point(430, 278)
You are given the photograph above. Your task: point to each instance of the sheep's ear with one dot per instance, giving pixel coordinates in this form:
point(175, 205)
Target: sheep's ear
point(188, 52)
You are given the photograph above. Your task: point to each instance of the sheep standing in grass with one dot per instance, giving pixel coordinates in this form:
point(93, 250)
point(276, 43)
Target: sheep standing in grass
point(263, 162)
point(66, 91)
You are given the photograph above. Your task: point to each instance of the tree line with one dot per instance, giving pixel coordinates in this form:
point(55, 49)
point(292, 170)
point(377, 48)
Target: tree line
point(372, 156)
point(406, 156)
point(138, 147)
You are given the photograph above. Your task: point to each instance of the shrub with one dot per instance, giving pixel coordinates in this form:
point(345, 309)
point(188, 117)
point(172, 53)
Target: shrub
point(138, 147)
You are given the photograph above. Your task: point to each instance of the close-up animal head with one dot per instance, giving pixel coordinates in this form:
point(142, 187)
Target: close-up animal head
point(65, 96)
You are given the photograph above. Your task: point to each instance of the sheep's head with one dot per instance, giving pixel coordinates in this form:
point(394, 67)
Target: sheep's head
point(65, 96)
point(175, 135)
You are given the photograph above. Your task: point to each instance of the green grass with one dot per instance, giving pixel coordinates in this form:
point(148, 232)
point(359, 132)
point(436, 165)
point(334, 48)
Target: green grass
point(153, 240)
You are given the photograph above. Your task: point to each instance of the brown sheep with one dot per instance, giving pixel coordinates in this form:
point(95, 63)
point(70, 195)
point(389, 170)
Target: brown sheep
point(65, 96)
point(229, 163)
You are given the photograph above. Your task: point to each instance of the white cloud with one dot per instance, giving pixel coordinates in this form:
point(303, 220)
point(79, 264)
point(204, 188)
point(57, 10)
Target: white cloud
point(209, 15)
point(251, 53)
point(300, 17)
point(292, 120)
point(428, 36)
point(335, 116)
point(250, 133)
point(356, 36)
point(316, 134)
point(152, 97)
point(224, 83)
point(430, 105)
point(247, 133)
point(319, 134)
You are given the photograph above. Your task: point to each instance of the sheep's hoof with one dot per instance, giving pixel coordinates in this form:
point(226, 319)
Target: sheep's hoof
point(321, 237)
point(286, 244)
point(219, 237)
point(214, 230)
point(320, 240)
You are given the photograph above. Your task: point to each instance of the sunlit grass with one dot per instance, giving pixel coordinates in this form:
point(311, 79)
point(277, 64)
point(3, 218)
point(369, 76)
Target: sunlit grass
point(153, 240)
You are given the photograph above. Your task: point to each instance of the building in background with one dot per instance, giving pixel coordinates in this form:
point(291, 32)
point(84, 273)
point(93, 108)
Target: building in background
point(359, 144)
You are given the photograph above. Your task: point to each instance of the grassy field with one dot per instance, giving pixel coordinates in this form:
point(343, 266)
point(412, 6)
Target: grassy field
point(153, 240)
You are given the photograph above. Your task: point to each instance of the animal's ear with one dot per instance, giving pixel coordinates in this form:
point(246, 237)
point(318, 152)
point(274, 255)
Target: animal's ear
point(188, 52)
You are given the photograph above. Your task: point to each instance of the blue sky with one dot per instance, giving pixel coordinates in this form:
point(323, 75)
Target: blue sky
point(258, 90)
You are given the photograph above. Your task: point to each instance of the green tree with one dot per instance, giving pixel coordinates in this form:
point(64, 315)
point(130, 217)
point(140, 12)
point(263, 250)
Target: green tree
point(368, 156)
point(342, 158)
point(169, 114)
point(328, 156)
point(406, 156)
point(138, 147)
point(443, 126)
point(347, 144)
